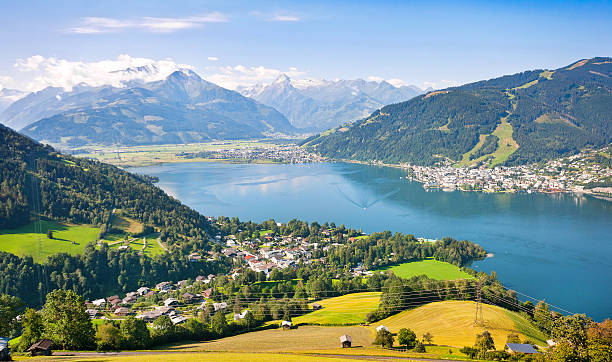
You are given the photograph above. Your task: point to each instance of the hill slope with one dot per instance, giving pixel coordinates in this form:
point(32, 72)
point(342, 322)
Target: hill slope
point(514, 119)
point(34, 177)
point(179, 109)
point(452, 323)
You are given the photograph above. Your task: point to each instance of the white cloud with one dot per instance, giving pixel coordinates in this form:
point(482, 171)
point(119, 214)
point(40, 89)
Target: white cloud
point(285, 18)
point(393, 81)
point(441, 84)
point(240, 75)
point(213, 59)
point(42, 72)
point(5, 81)
point(99, 25)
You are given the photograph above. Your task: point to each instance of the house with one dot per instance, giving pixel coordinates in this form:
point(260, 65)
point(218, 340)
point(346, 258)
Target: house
point(178, 319)
point(316, 306)
point(381, 327)
point(193, 257)
point(346, 341)
point(166, 310)
point(143, 290)
point(5, 352)
point(129, 299)
point(180, 283)
point(163, 286)
point(93, 313)
point(219, 306)
point(171, 302)
point(286, 325)
point(41, 348)
point(149, 316)
point(521, 348)
point(99, 302)
point(203, 305)
point(122, 312)
point(115, 301)
point(241, 315)
point(190, 298)
point(206, 293)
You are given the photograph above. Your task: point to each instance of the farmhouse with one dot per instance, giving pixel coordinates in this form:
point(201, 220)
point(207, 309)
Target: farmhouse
point(316, 306)
point(520, 348)
point(346, 341)
point(143, 290)
point(93, 313)
point(41, 348)
point(178, 319)
point(122, 312)
point(99, 302)
point(286, 325)
point(171, 302)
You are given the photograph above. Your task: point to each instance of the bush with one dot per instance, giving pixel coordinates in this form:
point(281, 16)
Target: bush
point(419, 347)
point(109, 338)
point(471, 352)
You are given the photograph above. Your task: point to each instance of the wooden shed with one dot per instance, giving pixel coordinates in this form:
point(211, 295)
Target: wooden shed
point(286, 325)
point(41, 348)
point(346, 341)
point(316, 306)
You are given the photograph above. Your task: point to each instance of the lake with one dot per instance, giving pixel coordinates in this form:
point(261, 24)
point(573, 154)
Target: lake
point(554, 247)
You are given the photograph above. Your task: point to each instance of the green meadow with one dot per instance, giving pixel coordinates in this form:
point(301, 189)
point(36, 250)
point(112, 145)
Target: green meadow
point(344, 310)
point(66, 239)
point(432, 268)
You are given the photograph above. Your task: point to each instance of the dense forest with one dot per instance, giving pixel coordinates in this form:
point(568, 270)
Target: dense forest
point(552, 113)
point(34, 177)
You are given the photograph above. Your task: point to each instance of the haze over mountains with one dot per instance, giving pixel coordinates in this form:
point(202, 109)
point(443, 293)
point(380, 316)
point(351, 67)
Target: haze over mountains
point(514, 119)
point(317, 105)
point(179, 109)
point(9, 96)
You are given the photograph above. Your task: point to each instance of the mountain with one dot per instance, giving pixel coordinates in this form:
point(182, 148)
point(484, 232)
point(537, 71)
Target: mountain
point(178, 109)
point(316, 105)
point(8, 96)
point(514, 119)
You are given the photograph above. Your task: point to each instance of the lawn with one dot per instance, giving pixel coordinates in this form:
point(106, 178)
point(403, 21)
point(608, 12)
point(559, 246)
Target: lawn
point(452, 323)
point(278, 340)
point(434, 269)
point(151, 249)
point(346, 309)
point(24, 241)
point(202, 356)
point(126, 224)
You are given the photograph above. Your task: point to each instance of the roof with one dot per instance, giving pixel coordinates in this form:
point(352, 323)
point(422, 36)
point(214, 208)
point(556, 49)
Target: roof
point(520, 347)
point(345, 338)
point(286, 323)
point(41, 344)
point(381, 327)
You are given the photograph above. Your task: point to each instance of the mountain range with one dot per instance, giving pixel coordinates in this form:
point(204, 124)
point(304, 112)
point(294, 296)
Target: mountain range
point(317, 105)
point(514, 119)
point(9, 96)
point(178, 109)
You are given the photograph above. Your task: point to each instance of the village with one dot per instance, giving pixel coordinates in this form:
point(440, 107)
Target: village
point(568, 174)
point(286, 153)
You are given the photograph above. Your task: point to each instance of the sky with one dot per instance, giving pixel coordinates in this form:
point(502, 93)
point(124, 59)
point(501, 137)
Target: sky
point(240, 43)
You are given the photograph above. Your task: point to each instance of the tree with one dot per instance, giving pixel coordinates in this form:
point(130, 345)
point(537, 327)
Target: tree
point(484, 343)
point(66, 321)
point(9, 310)
point(109, 337)
point(50, 234)
point(135, 333)
point(407, 338)
point(163, 329)
point(218, 324)
point(427, 337)
point(249, 320)
point(600, 341)
point(384, 338)
point(419, 347)
point(33, 329)
point(469, 351)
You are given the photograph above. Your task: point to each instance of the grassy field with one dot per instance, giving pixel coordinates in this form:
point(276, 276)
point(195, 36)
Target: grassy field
point(24, 240)
point(151, 249)
point(465, 161)
point(126, 224)
point(202, 356)
point(346, 309)
point(506, 145)
point(278, 340)
point(129, 156)
point(452, 323)
point(432, 268)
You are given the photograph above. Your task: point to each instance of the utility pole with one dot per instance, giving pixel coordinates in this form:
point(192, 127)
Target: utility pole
point(478, 319)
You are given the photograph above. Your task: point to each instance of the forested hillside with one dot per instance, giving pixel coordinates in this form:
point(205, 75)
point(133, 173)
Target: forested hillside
point(511, 120)
point(74, 190)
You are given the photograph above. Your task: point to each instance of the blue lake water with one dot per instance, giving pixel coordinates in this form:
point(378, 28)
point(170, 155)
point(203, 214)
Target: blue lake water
point(553, 247)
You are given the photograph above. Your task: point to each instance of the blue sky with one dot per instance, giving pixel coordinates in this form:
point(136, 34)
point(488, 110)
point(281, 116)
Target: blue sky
point(241, 42)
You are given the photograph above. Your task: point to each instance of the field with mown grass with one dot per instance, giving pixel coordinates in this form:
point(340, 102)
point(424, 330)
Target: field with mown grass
point(434, 269)
point(452, 323)
point(346, 309)
point(201, 356)
point(278, 340)
point(25, 241)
